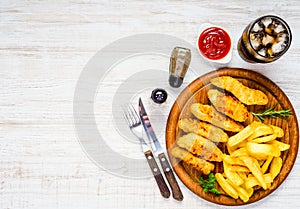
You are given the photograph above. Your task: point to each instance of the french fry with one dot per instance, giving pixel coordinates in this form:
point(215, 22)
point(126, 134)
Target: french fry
point(265, 166)
point(233, 160)
point(226, 186)
point(256, 162)
point(275, 166)
point(232, 175)
point(243, 194)
point(278, 131)
point(261, 130)
point(243, 134)
point(264, 138)
point(268, 178)
point(262, 151)
point(239, 145)
point(251, 181)
point(238, 168)
point(282, 146)
point(231, 149)
point(250, 190)
point(255, 169)
point(243, 175)
point(240, 152)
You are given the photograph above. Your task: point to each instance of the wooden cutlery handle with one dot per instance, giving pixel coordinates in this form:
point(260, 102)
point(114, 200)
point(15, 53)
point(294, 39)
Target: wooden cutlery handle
point(164, 190)
point(177, 194)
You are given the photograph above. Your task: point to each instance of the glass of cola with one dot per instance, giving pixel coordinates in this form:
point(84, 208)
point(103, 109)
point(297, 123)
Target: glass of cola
point(265, 40)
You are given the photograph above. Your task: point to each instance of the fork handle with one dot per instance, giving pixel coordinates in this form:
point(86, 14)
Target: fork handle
point(164, 190)
point(177, 194)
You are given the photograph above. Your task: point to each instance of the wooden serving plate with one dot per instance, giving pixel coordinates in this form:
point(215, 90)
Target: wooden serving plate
point(197, 92)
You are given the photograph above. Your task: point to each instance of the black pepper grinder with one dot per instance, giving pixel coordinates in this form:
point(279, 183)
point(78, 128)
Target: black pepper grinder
point(179, 64)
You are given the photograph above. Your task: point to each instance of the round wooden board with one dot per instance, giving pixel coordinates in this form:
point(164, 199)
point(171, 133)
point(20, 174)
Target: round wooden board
point(197, 92)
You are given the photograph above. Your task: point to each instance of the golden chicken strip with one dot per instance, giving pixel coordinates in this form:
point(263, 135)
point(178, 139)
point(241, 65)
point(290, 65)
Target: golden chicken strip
point(200, 146)
point(204, 129)
point(245, 94)
point(228, 105)
point(197, 163)
point(209, 114)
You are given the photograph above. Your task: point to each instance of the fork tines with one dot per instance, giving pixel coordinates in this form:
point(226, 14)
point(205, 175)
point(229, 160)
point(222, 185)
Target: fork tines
point(131, 115)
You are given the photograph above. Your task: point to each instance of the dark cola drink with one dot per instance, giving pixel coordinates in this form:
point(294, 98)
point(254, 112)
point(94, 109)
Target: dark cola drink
point(265, 40)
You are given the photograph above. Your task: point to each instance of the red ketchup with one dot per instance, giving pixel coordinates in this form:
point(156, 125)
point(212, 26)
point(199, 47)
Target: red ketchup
point(214, 43)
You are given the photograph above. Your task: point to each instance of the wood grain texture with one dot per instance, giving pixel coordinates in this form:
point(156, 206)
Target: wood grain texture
point(161, 183)
point(196, 92)
point(44, 45)
point(170, 176)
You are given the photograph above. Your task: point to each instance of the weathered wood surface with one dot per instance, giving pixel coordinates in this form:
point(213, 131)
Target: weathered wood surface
point(44, 46)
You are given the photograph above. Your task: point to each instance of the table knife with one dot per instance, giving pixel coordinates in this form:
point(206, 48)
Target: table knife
point(158, 151)
point(164, 190)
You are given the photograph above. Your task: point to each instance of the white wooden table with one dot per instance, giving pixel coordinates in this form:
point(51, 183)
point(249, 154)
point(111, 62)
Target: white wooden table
point(45, 45)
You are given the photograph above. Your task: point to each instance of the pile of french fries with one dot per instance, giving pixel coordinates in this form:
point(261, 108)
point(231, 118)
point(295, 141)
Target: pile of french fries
point(253, 160)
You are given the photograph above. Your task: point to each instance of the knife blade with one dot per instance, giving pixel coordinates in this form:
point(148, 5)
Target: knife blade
point(158, 151)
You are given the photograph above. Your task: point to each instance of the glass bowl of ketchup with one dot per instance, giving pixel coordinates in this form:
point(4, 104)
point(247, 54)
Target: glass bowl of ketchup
point(214, 43)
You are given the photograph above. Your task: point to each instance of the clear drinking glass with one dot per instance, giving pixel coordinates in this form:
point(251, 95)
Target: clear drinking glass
point(265, 40)
point(179, 63)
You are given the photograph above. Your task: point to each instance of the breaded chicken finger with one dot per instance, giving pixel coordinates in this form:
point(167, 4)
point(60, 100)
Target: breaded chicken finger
point(243, 93)
point(209, 114)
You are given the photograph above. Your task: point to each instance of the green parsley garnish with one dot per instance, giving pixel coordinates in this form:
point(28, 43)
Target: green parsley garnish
point(209, 185)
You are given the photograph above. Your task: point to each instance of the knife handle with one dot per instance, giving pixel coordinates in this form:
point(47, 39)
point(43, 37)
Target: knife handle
point(164, 190)
point(177, 194)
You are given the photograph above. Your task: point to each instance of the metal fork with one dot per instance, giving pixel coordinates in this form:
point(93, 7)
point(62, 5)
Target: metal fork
point(136, 128)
